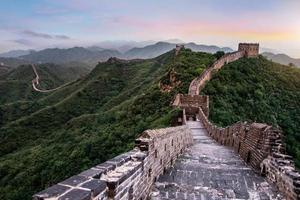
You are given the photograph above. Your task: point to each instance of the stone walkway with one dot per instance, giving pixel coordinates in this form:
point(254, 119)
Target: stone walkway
point(211, 171)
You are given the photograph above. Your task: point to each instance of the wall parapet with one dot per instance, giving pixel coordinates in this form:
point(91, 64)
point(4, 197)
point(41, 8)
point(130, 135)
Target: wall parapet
point(198, 83)
point(191, 102)
point(129, 175)
point(261, 146)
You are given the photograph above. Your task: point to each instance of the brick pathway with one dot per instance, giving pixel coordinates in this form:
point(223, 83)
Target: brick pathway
point(211, 171)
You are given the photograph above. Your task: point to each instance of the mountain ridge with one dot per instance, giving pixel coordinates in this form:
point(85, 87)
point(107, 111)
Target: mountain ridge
point(94, 54)
point(282, 58)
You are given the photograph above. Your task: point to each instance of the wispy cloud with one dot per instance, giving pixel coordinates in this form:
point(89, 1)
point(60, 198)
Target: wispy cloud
point(23, 42)
point(44, 35)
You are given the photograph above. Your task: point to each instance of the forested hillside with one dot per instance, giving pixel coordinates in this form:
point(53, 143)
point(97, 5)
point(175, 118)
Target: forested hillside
point(256, 89)
point(90, 120)
point(16, 84)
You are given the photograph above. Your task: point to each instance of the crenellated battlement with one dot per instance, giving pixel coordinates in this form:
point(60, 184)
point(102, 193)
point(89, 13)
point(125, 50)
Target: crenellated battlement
point(129, 175)
point(261, 146)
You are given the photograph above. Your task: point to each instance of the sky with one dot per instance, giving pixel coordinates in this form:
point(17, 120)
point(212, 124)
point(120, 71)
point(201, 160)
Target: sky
point(37, 24)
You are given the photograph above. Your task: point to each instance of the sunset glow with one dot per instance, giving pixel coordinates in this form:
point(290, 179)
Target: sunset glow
point(273, 23)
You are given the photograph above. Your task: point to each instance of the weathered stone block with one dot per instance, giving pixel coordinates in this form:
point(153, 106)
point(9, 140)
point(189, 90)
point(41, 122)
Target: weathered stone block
point(74, 180)
point(76, 194)
point(106, 166)
point(51, 192)
point(92, 173)
point(96, 186)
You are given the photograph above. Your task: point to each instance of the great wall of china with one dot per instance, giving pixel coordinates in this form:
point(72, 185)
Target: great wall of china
point(36, 81)
point(197, 160)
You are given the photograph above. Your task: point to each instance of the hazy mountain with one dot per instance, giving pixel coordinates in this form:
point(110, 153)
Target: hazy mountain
point(123, 45)
point(94, 54)
point(95, 48)
point(149, 51)
point(264, 49)
point(16, 53)
point(12, 62)
point(282, 58)
point(207, 48)
point(79, 54)
point(174, 41)
point(159, 48)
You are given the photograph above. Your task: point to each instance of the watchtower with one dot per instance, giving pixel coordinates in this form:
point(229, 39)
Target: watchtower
point(250, 49)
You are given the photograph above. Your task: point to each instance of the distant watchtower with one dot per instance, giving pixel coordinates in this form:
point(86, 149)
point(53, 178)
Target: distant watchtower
point(178, 48)
point(250, 49)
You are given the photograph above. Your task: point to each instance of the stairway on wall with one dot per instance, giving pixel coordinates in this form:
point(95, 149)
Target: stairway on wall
point(208, 170)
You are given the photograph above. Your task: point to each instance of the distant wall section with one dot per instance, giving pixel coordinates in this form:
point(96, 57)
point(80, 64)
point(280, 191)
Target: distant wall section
point(244, 50)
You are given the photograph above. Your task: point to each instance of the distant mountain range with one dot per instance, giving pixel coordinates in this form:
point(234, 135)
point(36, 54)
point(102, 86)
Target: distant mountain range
point(90, 56)
point(282, 58)
point(94, 54)
point(16, 53)
point(79, 54)
point(159, 48)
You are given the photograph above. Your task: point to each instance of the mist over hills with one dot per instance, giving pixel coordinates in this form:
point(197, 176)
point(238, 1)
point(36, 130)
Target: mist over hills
point(282, 59)
point(12, 62)
point(94, 54)
point(16, 53)
point(81, 54)
point(159, 48)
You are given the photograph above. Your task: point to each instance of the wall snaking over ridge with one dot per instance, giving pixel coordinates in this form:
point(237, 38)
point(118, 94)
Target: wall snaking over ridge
point(198, 83)
point(260, 145)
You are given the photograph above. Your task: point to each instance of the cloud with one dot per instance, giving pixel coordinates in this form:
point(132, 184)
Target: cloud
point(63, 37)
point(44, 35)
point(35, 34)
point(23, 42)
point(48, 10)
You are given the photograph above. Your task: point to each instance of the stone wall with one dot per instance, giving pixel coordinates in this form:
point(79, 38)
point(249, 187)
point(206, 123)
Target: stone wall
point(129, 175)
point(260, 146)
point(198, 83)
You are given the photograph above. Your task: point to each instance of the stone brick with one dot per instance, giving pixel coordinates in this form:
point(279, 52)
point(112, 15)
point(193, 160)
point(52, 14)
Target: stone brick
point(93, 173)
point(51, 192)
point(76, 194)
point(96, 186)
point(74, 180)
point(106, 166)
